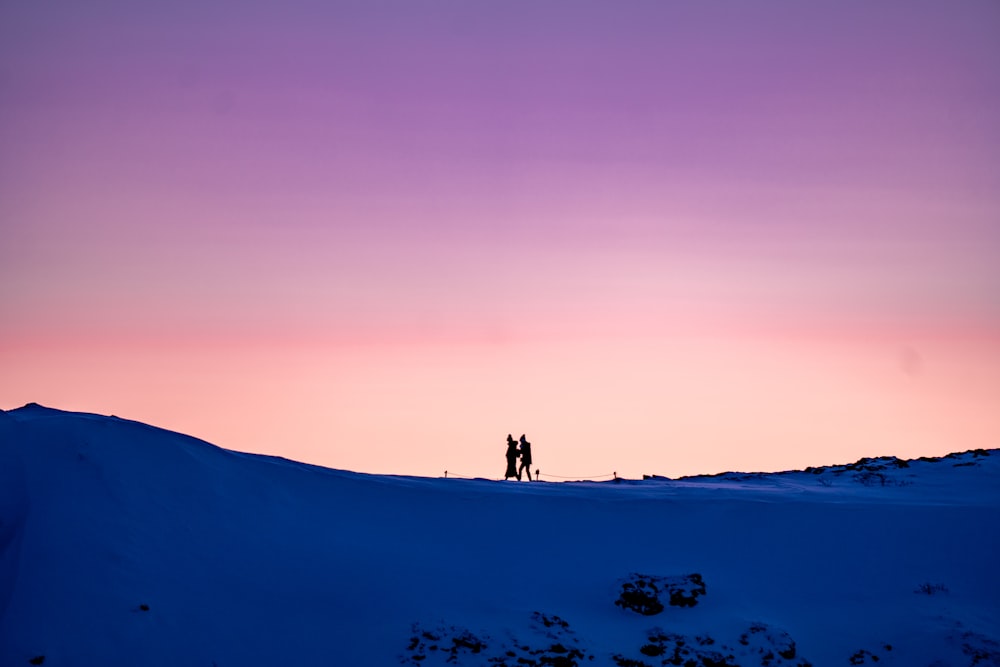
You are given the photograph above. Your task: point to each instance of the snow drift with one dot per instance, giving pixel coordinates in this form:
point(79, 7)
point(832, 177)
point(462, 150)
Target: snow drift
point(124, 544)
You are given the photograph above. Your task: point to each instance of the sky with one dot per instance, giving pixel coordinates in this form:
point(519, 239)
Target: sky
point(657, 238)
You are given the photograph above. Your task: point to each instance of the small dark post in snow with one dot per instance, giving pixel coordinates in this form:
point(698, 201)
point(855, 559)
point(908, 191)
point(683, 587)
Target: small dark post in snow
point(446, 474)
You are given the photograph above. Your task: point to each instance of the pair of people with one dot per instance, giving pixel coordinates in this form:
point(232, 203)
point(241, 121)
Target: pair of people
point(513, 452)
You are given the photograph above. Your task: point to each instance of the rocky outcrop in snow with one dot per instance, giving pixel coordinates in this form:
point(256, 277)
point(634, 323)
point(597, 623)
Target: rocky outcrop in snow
point(649, 595)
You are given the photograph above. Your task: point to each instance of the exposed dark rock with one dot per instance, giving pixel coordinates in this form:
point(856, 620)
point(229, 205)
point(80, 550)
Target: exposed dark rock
point(981, 650)
point(649, 595)
point(549, 621)
point(862, 657)
point(767, 645)
point(551, 643)
point(652, 650)
point(675, 649)
point(622, 661)
point(448, 643)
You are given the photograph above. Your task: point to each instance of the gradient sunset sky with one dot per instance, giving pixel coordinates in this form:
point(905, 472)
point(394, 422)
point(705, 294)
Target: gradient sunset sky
point(656, 237)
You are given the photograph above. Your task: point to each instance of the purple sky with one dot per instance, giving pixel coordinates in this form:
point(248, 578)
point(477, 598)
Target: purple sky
point(326, 193)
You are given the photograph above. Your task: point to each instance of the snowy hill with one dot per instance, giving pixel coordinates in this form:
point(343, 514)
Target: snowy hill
point(124, 544)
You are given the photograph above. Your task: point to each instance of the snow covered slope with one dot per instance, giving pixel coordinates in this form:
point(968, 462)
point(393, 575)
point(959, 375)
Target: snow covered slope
point(124, 544)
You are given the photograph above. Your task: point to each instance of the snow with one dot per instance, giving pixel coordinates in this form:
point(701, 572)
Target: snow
point(124, 544)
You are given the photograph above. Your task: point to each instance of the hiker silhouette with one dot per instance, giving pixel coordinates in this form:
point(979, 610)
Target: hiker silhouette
point(512, 455)
point(525, 453)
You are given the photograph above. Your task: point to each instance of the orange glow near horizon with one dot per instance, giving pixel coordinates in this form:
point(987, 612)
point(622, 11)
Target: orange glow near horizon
point(671, 407)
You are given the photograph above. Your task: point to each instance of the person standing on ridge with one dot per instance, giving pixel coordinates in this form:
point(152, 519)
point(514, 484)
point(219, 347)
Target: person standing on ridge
point(512, 455)
point(525, 459)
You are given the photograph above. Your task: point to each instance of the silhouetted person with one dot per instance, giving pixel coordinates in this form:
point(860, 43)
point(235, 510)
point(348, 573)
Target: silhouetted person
point(512, 455)
point(525, 459)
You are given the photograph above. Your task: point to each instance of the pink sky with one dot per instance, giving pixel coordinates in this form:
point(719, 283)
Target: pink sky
point(655, 237)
